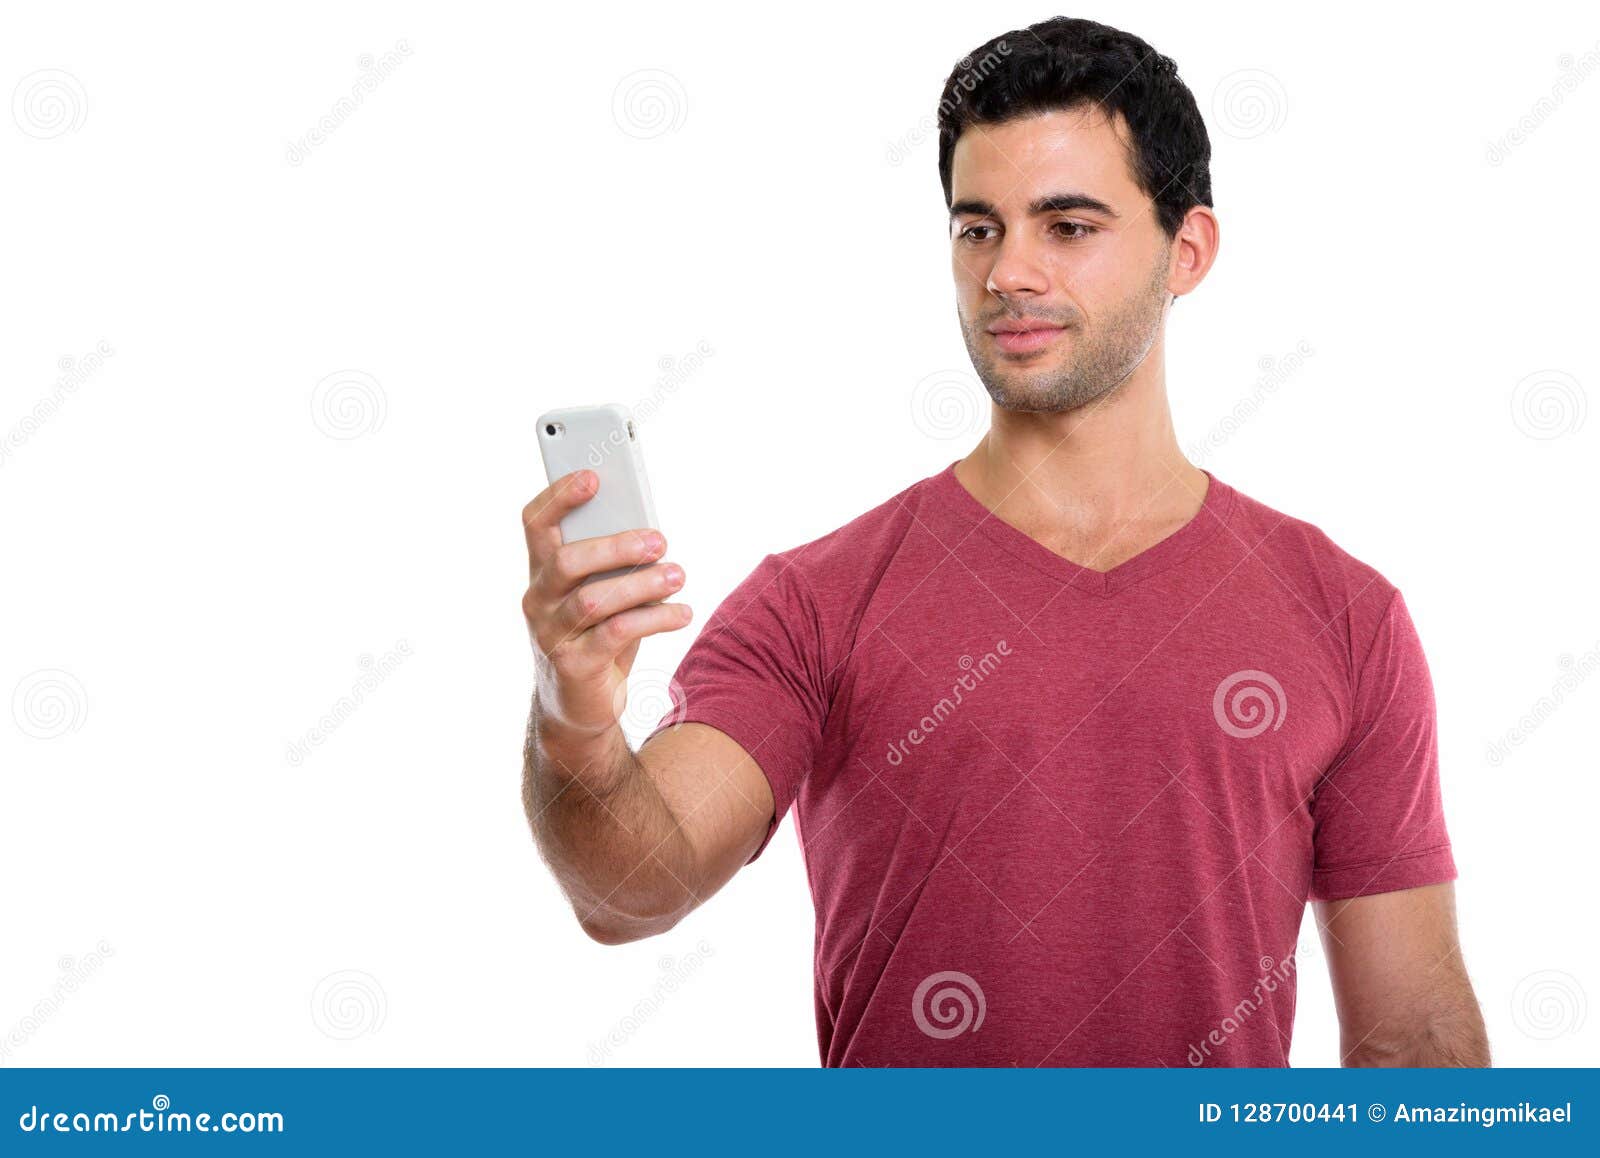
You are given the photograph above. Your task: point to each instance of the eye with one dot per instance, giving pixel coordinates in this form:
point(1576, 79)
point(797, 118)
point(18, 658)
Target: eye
point(967, 233)
point(1083, 231)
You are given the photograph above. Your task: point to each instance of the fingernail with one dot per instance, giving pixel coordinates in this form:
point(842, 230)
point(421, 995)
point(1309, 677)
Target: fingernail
point(673, 573)
point(653, 542)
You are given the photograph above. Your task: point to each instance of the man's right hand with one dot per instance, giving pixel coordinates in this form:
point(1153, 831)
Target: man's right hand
point(586, 635)
point(642, 838)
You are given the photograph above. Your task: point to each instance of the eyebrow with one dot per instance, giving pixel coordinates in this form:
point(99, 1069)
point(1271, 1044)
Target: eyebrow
point(1052, 203)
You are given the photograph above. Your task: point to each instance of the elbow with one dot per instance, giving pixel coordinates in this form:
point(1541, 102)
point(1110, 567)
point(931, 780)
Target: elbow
point(606, 926)
point(604, 931)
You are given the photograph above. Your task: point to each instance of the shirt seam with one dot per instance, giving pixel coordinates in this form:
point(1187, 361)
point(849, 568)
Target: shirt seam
point(1220, 521)
point(1385, 860)
point(1350, 744)
point(1361, 668)
point(1098, 589)
point(825, 666)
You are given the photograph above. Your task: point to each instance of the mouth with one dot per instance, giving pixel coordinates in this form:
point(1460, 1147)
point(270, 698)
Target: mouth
point(1024, 337)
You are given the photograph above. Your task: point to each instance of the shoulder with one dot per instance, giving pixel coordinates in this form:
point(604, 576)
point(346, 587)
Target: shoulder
point(846, 562)
point(823, 586)
point(1344, 592)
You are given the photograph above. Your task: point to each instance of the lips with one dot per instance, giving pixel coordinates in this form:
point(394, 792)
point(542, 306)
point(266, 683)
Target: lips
point(1022, 337)
point(1021, 325)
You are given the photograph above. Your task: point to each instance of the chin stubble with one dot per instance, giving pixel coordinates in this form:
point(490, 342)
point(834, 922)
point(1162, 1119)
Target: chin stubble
point(1095, 363)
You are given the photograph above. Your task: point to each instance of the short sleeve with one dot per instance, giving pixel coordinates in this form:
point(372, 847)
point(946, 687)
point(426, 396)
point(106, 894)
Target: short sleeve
point(1378, 814)
point(756, 672)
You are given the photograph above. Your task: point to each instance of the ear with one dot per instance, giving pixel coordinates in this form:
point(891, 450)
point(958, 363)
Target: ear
point(1194, 248)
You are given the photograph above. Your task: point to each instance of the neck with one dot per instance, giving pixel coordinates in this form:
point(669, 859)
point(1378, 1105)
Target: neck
point(1113, 462)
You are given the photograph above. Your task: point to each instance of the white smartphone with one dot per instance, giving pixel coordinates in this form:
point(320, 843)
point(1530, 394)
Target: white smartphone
point(602, 439)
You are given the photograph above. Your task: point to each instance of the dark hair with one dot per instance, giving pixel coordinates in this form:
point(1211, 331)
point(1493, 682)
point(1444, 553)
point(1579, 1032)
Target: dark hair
point(1065, 63)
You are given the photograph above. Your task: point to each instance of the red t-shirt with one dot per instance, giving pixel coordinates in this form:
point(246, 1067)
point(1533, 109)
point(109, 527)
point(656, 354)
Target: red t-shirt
point(1055, 816)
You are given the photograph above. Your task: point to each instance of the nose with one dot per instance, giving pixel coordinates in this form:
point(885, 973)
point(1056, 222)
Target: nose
point(1015, 270)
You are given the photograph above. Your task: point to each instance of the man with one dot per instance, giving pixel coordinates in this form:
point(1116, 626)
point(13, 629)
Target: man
point(1072, 728)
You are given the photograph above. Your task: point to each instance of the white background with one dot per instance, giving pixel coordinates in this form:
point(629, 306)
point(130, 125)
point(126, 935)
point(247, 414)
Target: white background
point(200, 545)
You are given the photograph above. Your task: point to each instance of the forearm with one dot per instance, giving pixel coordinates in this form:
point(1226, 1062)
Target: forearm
point(1457, 1039)
point(610, 838)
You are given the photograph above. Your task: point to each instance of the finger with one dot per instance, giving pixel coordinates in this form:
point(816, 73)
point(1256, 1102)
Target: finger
point(589, 604)
point(547, 508)
point(603, 642)
point(571, 563)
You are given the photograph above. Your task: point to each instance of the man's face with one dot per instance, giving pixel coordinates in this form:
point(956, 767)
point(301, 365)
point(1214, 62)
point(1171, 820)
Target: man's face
point(1048, 228)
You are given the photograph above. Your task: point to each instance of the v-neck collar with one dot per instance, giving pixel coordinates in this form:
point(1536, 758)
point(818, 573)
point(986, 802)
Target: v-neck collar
point(953, 497)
